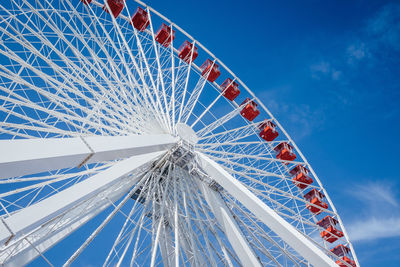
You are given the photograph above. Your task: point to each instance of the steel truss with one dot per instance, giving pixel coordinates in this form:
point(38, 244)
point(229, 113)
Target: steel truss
point(101, 125)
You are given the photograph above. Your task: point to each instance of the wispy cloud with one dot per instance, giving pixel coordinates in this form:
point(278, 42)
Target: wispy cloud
point(374, 228)
point(357, 52)
point(379, 37)
point(324, 69)
point(384, 28)
point(379, 216)
point(300, 119)
point(374, 193)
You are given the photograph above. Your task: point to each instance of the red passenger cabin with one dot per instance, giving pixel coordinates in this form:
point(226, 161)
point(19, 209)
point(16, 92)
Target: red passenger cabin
point(330, 234)
point(343, 252)
point(116, 7)
point(315, 197)
point(284, 151)
point(165, 35)
point(140, 20)
point(185, 52)
point(268, 130)
point(210, 70)
point(249, 110)
point(300, 176)
point(230, 89)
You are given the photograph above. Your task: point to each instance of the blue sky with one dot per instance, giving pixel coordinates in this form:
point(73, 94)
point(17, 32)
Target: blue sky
point(329, 71)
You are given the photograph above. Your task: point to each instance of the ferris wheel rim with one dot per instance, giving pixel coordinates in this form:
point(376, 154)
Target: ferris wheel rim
point(261, 104)
point(236, 78)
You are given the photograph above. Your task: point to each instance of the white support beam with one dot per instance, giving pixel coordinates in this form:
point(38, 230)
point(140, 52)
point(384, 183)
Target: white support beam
point(28, 254)
point(264, 213)
point(29, 156)
point(27, 219)
point(228, 224)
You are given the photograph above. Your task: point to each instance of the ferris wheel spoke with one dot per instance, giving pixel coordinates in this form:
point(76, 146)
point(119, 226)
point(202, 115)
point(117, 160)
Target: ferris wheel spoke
point(90, 99)
point(273, 190)
point(143, 57)
point(189, 229)
point(160, 73)
point(69, 178)
point(185, 89)
point(159, 216)
point(123, 229)
point(229, 227)
point(127, 94)
point(147, 203)
point(219, 122)
point(173, 82)
point(286, 231)
point(128, 70)
point(66, 76)
point(77, 52)
point(214, 229)
point(231, 135)
point(234, 156)
point(56, 205)
point(207, 251)
point(58, 101)
point(193, 98)
point(47, 235)
point(257, 230)
point(103, 224)
point(210, 106)
point(132, 58)
point(228, 254)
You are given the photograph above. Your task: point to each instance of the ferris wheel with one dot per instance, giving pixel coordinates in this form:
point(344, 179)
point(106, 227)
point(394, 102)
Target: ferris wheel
point(115, 122)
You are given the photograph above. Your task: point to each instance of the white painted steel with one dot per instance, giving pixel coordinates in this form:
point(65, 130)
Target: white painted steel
point(53, 206)
point(71, 70)
point(28, 254)
point(231, 229)
point(28, 156)
point(264, 213)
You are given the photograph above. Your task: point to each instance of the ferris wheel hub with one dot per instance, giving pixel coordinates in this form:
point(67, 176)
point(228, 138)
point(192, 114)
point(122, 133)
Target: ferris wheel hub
point(186, 133)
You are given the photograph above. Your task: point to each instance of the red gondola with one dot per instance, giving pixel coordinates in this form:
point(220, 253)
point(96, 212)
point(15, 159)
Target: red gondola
point(316, 198)
point(210, 70)
point(165, 35)
point(185, 52)
point(300, 176)
point(230, 89)
point(330, 234)
point(284, 151)
point(116, 7)
point(249, 110)
point(342, 252)
point(140, 20)
point(268, 131)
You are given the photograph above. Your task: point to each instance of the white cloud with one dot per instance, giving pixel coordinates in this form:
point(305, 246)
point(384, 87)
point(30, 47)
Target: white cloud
point(374, 228)
point(376, 193)
point(324, 69)
point(380, 36)
point(384, 28)
point(380, 215)
point(300, 119)
point(357, 52)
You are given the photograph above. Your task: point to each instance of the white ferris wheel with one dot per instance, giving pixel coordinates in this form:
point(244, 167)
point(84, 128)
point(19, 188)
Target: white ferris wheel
point(113, 116)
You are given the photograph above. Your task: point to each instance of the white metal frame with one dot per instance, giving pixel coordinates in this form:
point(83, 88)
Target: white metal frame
point(107, 104)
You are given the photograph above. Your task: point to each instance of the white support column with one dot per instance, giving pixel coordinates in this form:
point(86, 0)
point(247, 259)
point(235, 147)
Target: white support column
point(229, 226)
point(28, 254)
point(265, 214)
point(28, 156)
point(40, 213)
